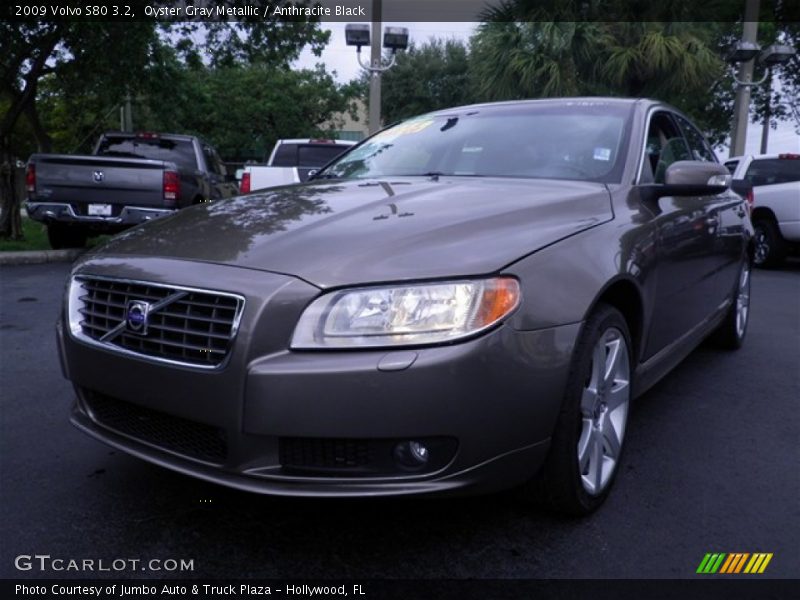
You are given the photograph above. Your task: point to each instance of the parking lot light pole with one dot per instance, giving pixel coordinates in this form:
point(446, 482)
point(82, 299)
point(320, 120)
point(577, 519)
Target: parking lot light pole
point(747, 52)
point(741, 107)
point(774, 56)
point(375, 72)
point(394, 39)
point(767, 115)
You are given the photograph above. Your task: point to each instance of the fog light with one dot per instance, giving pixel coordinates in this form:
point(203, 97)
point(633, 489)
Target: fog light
point(411, 454)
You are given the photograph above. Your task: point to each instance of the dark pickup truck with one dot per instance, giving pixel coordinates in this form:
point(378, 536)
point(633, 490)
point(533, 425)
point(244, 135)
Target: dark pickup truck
point(130, 178)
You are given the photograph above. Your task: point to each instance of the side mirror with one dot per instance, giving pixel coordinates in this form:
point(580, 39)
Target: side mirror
point(695, 173)
point(691, 178)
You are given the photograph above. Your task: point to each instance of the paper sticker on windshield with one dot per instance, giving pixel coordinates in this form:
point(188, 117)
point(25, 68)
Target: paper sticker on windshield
point(602, 154)
point(407, 128)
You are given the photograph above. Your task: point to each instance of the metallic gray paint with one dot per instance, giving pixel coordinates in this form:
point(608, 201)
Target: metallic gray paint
point(570, 244)
point(408, 229)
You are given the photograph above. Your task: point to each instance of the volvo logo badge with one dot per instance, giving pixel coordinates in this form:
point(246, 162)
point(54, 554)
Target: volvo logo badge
point(136, 316)
point(98, 176)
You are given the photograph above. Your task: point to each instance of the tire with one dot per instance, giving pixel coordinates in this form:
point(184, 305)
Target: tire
point(770, 247)
point(731, 332)
point(592, 421)
point(65, 236)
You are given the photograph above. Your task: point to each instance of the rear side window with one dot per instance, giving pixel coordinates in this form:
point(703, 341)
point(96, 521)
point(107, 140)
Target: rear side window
point(285, 156)
point(731, 165)
point(213, 161)
point(181, 152)
point(697, 143)
point(306, 155)
point(317, 155)
point(772, 171)
point(665, 145)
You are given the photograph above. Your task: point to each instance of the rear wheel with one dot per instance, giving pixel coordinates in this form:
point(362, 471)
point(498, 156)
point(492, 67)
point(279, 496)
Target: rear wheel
point(730, 333)
point(770, 247)
point(66, 236)
point(586, 446)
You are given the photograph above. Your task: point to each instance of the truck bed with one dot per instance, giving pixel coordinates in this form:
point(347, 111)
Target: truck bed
point(85, 180)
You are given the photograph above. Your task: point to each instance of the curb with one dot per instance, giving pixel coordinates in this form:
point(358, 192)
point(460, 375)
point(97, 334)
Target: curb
point(35, 257)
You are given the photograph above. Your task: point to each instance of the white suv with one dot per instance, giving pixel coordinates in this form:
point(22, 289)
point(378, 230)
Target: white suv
point(775, 203)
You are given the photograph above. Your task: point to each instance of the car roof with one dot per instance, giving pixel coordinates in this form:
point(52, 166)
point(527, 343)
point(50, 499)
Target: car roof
point(143, 134)
point(545, 101)
point(326, 142)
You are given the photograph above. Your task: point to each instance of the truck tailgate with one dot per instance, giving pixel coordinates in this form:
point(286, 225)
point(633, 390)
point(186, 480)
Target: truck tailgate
point(84, 180)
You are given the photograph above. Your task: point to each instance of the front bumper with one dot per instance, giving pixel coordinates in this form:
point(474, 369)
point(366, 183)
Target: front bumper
point(58, 212)
point(490, 404)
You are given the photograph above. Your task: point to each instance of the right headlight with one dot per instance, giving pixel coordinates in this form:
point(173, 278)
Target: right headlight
point(403, 315)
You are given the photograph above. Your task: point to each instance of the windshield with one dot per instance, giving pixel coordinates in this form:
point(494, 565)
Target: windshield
point(306, 155)
point(581, 141)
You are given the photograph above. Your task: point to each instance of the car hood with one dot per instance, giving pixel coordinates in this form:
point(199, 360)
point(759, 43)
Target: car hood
point(352, 232)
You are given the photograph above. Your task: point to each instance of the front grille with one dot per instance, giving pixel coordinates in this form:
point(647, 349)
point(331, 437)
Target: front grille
point(197, 327)
point(195, 440)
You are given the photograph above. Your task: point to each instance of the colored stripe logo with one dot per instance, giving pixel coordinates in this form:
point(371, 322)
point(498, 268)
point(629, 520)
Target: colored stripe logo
point(734, 563)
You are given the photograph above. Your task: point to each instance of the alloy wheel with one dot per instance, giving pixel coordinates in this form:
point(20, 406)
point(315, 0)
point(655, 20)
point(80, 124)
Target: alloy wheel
point(604, 411)
point(743, 301)
point(761, 246)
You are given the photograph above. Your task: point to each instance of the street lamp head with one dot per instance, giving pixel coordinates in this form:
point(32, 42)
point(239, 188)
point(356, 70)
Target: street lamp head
point(777, 54)
point(743, 52)
point(395, 38)
point(357, 34)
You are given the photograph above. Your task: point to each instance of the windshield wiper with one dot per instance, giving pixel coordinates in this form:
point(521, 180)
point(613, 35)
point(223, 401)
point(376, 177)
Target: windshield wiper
point(319, 175)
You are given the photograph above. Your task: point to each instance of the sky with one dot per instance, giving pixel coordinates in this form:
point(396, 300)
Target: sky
point(341, 58)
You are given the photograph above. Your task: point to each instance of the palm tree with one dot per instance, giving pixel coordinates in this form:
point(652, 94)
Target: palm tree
point(512, 59)
point(526, 49)
point(663, 60)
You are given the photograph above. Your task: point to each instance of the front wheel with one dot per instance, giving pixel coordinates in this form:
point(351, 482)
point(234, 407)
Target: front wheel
point(586, 446)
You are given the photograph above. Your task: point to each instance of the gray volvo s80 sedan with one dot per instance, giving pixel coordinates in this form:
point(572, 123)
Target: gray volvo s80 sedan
point(466, 301)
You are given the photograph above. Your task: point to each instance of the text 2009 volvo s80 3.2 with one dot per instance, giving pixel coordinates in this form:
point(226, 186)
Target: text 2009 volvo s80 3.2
point(467, 301)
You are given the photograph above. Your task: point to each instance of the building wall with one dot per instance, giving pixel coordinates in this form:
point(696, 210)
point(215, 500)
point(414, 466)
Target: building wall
point(347, 128)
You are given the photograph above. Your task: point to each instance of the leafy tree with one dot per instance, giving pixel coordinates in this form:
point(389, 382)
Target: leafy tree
point(425, 78)
point(244, 109)
point(669, 61)
point(95, 64)
point(671, 51)
point(79, 56)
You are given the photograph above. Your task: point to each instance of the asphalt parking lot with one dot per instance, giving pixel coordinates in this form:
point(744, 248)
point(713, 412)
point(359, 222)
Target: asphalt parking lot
point(711, 466)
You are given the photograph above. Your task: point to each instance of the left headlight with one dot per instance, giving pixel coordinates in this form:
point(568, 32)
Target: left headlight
point(405, 315)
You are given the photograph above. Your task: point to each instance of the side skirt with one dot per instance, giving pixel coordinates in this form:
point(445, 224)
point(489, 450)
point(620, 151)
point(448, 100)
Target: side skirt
point(653, 369)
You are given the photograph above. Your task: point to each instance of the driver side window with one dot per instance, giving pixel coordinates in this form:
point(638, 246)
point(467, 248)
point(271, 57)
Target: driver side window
point(665, 145)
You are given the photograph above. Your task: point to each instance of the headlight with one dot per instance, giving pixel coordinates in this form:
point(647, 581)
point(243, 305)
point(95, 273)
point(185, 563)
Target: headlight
point(405, 315)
